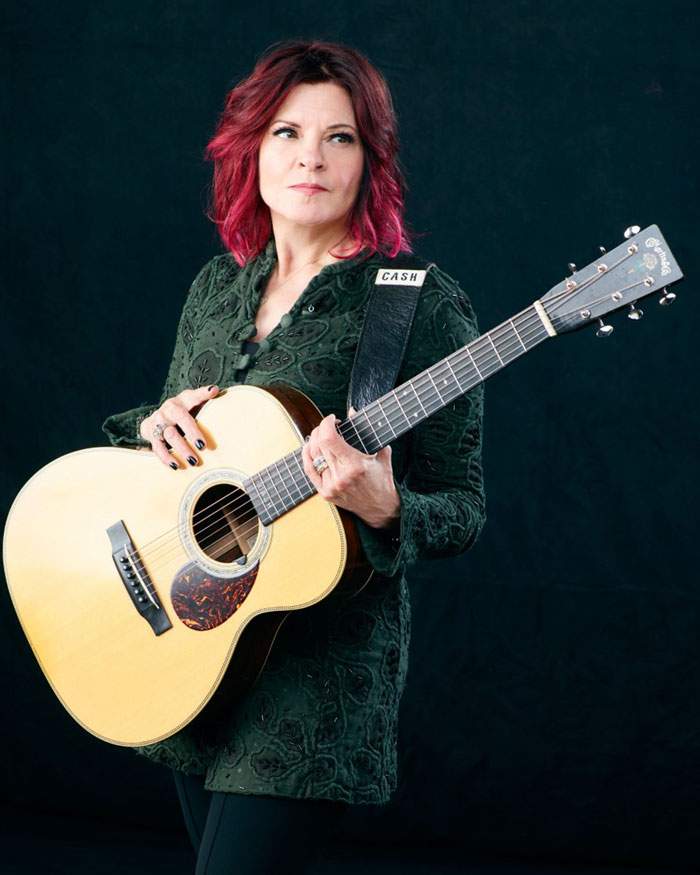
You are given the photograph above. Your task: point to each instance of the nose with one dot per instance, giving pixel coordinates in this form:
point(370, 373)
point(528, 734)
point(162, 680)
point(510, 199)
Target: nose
point(311, 156)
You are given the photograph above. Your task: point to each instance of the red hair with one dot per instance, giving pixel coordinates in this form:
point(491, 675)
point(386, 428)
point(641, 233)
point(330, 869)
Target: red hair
point(376, 221)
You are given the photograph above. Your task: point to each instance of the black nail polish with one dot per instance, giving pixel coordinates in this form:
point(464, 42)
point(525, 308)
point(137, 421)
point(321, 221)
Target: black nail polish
point(200, 444)
point(192, 460)
point(173, 465)
point(210, 388)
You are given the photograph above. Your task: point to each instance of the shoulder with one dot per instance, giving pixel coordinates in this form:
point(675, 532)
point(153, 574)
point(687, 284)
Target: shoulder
point(219, 269)
point(215, 282)
point(438, 286)
point(444, 320)
point(443, 293)
point(440, 297)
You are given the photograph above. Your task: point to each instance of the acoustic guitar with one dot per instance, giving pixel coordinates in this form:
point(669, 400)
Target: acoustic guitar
point(138, 590)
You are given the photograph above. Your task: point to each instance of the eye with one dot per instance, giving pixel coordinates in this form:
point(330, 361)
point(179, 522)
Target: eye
point(284, 133)
point(342, 138)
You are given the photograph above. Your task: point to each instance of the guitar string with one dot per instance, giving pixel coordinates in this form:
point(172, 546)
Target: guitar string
point(207, 537)
point(240, 532)
point(246, 533)
point(564, 295)
point(410, 407)
point(508, 325)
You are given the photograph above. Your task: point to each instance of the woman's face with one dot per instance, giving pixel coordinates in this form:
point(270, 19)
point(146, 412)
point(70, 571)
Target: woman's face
point(311, 159)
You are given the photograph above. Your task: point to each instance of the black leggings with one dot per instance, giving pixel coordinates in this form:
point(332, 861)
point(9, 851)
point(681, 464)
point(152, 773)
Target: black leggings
point(254, 835)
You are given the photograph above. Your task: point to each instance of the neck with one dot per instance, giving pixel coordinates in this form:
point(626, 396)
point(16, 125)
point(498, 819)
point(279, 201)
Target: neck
point(299, 245)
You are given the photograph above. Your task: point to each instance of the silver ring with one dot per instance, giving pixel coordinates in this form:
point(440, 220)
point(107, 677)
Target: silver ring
point(159, 429)
point(320, 464)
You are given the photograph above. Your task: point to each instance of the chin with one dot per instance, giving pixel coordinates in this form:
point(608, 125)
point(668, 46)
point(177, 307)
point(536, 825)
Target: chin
point(313, 218)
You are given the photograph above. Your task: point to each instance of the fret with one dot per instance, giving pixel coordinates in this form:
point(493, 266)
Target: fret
point(495, 350)
point(451, 387)
point(489, 365)
point(291, 474)
point(415, 415)
point(531, 328)
point(376, 444)
point(398, 401)
point(357, 434)
point(439, 393)
point(262, 492)
point(378, 402)
point(282, 479)
point(268, 473)
point(268, 501)
point(303, 484)
point(512, 348)
point(517, 334)
point(256, 496)
point(430, 397)
point(452, 371)
point(469, 353)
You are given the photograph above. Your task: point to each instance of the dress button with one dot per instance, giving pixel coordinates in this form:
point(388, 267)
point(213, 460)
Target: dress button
point(285, 321)
point(243, 362)
point(264, 345)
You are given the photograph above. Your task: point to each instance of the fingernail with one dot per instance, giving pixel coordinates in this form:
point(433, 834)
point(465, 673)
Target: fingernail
point(173, 465)
point(200, 444)
point(192, 460)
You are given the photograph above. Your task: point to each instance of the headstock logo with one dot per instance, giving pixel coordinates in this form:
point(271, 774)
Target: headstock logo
point(655, 244)
point(649, 260)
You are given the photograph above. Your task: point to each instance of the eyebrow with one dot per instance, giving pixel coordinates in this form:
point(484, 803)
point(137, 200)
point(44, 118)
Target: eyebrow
point(329, 128)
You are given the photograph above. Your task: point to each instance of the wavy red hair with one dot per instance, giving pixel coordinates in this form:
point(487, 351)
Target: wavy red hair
point(376, 221)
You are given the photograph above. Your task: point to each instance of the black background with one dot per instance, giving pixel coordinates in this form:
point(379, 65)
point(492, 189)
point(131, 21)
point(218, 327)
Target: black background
point(552, 704)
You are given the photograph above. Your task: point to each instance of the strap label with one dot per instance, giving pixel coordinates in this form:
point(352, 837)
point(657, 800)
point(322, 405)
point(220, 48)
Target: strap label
point(388, 277)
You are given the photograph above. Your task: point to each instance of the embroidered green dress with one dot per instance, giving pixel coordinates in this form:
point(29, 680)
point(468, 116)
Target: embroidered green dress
point(321, 722)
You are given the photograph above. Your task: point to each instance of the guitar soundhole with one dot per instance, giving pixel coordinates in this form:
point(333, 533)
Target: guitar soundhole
point(225, 524)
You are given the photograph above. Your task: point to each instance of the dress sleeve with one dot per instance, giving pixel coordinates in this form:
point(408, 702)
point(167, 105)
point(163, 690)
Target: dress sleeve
point(122, 429)
point(440, 482)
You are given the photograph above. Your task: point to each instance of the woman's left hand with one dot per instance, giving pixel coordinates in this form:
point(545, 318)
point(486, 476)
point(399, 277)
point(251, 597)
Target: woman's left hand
point(353, 480)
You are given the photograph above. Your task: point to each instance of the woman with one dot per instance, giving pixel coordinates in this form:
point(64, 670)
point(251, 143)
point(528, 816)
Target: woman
point(308, 199)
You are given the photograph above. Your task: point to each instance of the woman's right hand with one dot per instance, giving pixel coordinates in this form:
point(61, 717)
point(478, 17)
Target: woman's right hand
point(172, 414)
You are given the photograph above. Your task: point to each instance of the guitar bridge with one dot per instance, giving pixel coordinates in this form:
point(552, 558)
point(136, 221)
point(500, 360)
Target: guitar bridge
point(136, 580)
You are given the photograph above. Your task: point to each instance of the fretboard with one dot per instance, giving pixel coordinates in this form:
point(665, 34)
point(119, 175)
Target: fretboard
point(283, 485)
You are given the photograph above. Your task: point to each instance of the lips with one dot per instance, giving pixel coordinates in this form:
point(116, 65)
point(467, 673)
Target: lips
point(308, 188)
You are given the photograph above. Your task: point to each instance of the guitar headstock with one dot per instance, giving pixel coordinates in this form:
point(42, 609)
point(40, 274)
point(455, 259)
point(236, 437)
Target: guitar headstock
point(641, 266)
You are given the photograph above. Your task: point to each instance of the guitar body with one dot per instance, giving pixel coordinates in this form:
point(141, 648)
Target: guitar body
point(118, 678)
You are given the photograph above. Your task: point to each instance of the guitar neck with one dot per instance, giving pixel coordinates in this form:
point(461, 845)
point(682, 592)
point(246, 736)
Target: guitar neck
point(283, 485)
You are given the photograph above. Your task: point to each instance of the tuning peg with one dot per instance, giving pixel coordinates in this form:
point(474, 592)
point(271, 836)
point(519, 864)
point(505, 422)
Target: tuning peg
point(635, 313)
point(572, 267)
point(631, 231)
point(667, 298)
point(603, 250)
point(604, 330)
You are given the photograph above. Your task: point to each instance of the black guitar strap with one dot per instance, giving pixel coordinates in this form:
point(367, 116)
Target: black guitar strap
point(385, 330)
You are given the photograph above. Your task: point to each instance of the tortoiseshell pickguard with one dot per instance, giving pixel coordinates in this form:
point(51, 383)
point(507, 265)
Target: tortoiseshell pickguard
point(202, 601)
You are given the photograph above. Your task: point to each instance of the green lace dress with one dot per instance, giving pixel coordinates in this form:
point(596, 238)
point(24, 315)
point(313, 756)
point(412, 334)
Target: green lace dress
point(321, 722)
